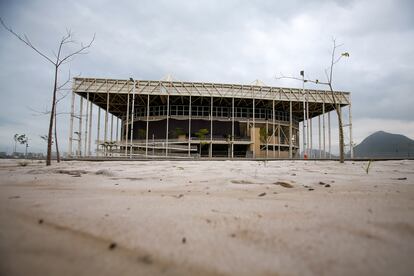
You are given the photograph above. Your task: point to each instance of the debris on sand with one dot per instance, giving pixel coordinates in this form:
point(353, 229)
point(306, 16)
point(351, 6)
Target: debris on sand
point(14, 197)
point(284, 184)
point(321, 183)
point(40, 221)
point(241, 182)
point(179, 196)
point(112, 246)
point(402, 178)
point(75, 173)
point(311, 189)
point(104, 172)
point(184, 240)
point(262, 194)
point(146, 259)
point(327, 186)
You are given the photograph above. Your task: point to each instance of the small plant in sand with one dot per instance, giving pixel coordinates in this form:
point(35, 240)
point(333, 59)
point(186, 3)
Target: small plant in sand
point(367, 166)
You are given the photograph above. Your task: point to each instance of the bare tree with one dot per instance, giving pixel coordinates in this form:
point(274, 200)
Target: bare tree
point(47, 112)
point(59, 59)
point(329, 76)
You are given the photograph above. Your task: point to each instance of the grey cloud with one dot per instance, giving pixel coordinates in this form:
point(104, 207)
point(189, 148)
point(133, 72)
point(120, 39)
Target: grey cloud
point(217, 41)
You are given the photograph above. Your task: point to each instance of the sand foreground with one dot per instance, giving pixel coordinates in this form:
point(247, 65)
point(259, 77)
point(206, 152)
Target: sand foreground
point(207, 218)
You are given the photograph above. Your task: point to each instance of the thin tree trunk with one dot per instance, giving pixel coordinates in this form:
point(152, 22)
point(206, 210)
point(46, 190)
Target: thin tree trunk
point(341, 130)
point(56, 140)
point(52, 116)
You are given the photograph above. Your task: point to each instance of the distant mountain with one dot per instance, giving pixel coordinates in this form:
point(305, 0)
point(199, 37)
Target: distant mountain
point(386, 145)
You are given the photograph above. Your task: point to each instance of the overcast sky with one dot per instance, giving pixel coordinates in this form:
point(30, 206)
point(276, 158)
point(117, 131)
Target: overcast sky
point(212, 41)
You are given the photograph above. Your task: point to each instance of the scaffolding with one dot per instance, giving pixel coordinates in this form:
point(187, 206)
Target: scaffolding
point(269, 117)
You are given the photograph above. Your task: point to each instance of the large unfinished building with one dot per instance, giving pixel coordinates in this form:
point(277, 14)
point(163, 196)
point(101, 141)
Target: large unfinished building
point(171, 119)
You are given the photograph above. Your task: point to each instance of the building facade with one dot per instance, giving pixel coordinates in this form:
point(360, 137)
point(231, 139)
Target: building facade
point(170, 119)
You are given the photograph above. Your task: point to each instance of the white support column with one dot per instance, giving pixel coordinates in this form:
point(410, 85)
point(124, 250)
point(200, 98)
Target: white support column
point(106, 118)
point(232, 127)
point(351, 145)
point(278, 139)
point(90, 128)
point(146, 131)
point(85, 150)
point(267, 139)
point(310, 138)
point(126, 127)
point(304, 130)
point(112, 127)
point(72, 114)
point(290, 128)
point(132, 118)
point(189, 129)
point(211, 128)
point(117, 145)
point(323, 129)
point(329, 135)
point(254, 130)
point(168, 125)
point(80, 127)
point(319, 137)
point(98, 132)
point(273, 126)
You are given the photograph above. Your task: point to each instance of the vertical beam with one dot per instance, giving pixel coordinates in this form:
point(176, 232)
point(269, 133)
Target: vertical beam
point(290, 128)
point(90, 127)
point(323, 129)
point(112, 126)
point(319, 136)
point(132, 119)
point(232, 127)
point(126, 127)
point(267, 139)
point(273, 126)
point(310, 138)
point(146, 131)
point(98, 132)
point(351, 146)
point(254, 130)
point(80, 127)
point(106, 117)
point(304, 121)
point(117, 130)
point(211, 128)
point(85, 150)
point(189, 129)
point(278, 139)
point(72, 111)
point(329, 134)
point(168, 125)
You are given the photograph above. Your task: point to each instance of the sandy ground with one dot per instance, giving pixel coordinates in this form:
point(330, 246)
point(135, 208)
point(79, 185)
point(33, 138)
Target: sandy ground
point(207, 218)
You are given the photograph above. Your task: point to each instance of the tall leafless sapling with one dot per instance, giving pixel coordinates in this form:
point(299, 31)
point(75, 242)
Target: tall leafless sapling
point(329, 76)
point(59, 59)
